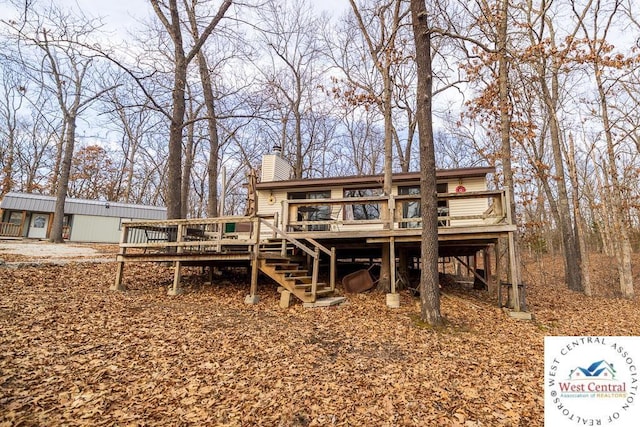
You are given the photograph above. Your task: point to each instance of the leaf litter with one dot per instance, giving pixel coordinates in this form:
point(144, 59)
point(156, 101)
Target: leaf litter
point(72, 352)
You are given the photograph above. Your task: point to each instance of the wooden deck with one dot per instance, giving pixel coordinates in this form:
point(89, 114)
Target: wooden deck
point(289, 249)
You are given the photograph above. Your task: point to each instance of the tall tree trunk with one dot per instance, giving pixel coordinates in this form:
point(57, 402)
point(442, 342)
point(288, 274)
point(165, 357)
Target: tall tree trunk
point(63, 182)
point(214, 140)
point(579, 228)
point(571, 251)
point(186, 170)
point(53, 183)
point(505, 125)
point(429, 282)
point(7, 170)
point(384, 284)
point(174, 172)
point(622, 243)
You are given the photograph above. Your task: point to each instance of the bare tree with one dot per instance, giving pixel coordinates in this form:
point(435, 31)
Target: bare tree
point(169, 15)
point(12, 97)
point(429, 281)
point(54, 38)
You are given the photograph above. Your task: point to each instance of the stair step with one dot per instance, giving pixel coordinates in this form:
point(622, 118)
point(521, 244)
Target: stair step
point(284, 265)
point(267, 256)
point(298, 278)
point(306, 290)
point(296, 273)
point(319, 286)
point(321, 292)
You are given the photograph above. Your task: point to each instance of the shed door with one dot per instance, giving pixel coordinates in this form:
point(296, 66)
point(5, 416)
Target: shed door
point(38, 225)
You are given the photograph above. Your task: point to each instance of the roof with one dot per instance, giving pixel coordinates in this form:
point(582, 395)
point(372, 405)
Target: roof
point(365, 180)
point(41, 203)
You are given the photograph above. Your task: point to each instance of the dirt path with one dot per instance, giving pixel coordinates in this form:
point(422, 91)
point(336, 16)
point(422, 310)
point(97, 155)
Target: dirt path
point(29, 251)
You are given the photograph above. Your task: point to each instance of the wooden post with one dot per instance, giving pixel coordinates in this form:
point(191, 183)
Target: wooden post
point(513, 273)
point(332, 269)
point(117, 286)
point(392, 263)
point(253, 298)
point(124, 236)
point(393, 298)
point(275, 224)
point(498, 271)
point(486, 259)
point(314, 274)
point(403, 266)
point(284, 206)
point(177, 273)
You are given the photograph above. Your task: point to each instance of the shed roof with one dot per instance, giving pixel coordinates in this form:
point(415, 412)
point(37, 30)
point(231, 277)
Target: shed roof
point(364, 180)
point(41, 203)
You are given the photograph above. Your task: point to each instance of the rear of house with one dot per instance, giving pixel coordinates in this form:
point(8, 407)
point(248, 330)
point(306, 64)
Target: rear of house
point(357, 203)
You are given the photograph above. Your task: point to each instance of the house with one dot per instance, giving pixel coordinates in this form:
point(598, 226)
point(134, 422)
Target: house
point(296, 228)
point(30, 215)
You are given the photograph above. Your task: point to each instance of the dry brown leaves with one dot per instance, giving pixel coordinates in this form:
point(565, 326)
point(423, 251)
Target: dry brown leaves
point(74, 353)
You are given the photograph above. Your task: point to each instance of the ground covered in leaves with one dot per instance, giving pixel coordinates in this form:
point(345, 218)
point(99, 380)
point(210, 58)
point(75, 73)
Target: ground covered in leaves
point(72, 352)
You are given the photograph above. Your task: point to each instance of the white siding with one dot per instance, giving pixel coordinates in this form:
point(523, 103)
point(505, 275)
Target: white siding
point(269, 203)
point(95, 229)
point(466, 207)
point(274, 168)
point(457, 207)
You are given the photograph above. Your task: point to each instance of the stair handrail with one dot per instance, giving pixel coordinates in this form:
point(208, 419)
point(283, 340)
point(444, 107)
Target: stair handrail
point(315, 254)
point(289, 238)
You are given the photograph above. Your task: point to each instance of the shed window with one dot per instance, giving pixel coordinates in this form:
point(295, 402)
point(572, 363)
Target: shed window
point(15, 218)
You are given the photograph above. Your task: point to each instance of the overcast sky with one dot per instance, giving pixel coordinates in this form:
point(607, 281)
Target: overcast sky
point(121, 14)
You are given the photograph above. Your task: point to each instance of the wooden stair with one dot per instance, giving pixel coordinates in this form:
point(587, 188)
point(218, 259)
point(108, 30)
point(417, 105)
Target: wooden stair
point(289, 273)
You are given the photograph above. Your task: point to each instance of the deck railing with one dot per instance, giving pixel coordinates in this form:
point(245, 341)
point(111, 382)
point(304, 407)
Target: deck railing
point(338, 214)
point(8, 229)
point(190, 235)
point(233, 235)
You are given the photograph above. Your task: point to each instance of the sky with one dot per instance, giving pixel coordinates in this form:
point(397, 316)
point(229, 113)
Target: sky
point(123, 14)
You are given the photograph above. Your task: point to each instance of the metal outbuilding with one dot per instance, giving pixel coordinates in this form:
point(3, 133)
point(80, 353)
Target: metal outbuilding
point(30, 215)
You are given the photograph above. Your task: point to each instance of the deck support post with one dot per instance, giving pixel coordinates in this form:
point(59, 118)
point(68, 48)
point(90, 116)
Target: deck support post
point(513, 273)
point(486, 259)
point(124, 236)
point(332, 269)
point(253, 297)
point(403, 266)
point(177, 273)
point(117, 286)
point(314, 274)
point(393, 298)
point(498, 271)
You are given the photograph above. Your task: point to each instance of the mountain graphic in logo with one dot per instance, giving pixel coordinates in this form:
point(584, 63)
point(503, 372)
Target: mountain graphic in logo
point(597, 370)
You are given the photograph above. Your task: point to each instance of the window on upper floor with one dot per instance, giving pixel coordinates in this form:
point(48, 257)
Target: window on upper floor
point(362, 211)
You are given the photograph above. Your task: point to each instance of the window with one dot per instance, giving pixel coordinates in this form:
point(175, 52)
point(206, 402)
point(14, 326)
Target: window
point(313, 212)
point(39, 221)
point(411, 209)
point(15, 218)
point(443, 205)
point(66, 227)
point(363, 211)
